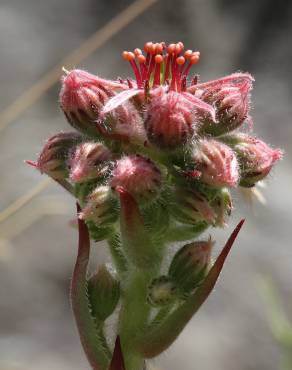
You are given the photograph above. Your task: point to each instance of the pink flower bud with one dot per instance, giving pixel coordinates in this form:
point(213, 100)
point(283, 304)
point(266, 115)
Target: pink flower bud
point(231, 97)
point(83, 96)
point(138, 175)
point(53, 157)
point(88, 161)
point(170, 120)
point(125, 124)
point(256, 159)
point(216, 162)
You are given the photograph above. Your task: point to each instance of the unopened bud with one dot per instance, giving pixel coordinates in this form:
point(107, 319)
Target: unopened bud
point(231, 97)
point(103, 293)
point(216, 162)
point(88, 161)
point(190, 265)
point(162, 292)
point(191, 207)
point(255, 157)
point(138, 175)
point(101, 207)
point(53, 158)
point(169, 120)
point(222, 205)
point(82, 98)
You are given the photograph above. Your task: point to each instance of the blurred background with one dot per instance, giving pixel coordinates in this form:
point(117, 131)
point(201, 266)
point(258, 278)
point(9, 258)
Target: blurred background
point(37, 245)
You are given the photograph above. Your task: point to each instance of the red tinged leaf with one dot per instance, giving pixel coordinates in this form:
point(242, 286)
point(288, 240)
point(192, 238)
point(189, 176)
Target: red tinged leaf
point(96, 352)
point(117, 362)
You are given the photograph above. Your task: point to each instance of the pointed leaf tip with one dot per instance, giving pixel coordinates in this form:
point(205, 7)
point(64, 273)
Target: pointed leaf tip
point(117, 362)
point(31, 163)
point(118, 100)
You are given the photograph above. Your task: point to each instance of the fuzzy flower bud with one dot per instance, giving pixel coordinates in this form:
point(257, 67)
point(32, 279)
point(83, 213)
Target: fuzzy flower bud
point(255, 157)
point(138, 175)
point(222, 205)
point(191, 207)
point(103, 293)
point(82, 98)
point(125, 124)
point(100, 208)
point(88, 161)
point(53, 158)
point(170, 120)
point(190, 265)
point(231, 97)
point(216, 162)
point(162, 291)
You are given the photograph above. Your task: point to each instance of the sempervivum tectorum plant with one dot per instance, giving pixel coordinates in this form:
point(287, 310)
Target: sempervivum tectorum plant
point(154, 163)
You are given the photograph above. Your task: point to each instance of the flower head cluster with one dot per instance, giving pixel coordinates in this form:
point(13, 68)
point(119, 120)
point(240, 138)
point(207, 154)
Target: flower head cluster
point(161, 136)
point(152, 162)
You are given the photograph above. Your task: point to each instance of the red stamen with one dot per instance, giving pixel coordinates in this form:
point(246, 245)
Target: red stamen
point(158, 60)
point(173, 74)
point(166, 72)
point(130, 57)
point(151, 67)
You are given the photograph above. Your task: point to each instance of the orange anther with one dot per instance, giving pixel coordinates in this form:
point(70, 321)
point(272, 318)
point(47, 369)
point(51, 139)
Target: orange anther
point(158, 58)
point(178, 49)
point(147, 46)
point(125, 55)
point(141, 59)
point(180, 60)
point(181, 45)
point(188, 54)
point(171, 48)
point(195, 57)
point(131, 56)
point(158, 48)
point(137, 51)
point(152, 49)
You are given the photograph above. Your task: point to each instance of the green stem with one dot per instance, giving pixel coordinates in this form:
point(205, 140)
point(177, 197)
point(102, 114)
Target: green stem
point(118, 257)
point(134, 316)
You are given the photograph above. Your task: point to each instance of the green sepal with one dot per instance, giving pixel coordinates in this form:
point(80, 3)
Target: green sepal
point(158, 339)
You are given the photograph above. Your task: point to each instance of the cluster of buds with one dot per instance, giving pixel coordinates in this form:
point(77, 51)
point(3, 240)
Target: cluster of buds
point(153, 162)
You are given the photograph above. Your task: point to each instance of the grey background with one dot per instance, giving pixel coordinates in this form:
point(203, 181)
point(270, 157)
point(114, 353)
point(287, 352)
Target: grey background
point(37, 245)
